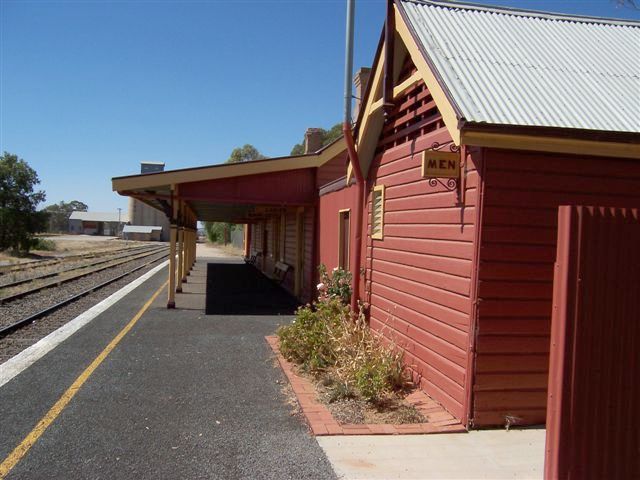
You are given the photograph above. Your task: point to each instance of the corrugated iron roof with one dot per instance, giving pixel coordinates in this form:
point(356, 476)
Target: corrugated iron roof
point(511, 67)
point(99, 216)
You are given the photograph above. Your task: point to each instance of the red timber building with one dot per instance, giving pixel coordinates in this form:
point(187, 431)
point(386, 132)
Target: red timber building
point(476, 125)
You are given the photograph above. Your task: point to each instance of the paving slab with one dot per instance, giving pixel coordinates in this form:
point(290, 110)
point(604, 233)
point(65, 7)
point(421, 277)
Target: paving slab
point(183, 395)
point(485, 454)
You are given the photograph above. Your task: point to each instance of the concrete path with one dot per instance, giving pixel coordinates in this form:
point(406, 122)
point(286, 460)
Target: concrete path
point(488, 454)
point(183, 395)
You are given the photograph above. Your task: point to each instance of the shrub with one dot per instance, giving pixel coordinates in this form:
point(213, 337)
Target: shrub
point(337, 285)
point(366, 363)
point(308, 341)
point(326, 338)
point(44, 244)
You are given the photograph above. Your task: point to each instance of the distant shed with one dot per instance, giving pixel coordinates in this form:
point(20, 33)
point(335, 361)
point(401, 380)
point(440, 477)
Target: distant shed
point(97, 223)
point(141, 232)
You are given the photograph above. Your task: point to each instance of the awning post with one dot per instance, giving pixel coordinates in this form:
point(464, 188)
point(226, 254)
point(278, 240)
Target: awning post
point(171, 303)
point(180, 258)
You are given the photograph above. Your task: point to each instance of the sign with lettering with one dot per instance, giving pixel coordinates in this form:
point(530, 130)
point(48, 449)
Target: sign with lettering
point(440, 164)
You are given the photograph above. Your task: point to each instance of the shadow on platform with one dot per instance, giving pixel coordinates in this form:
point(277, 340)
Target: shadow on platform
point(240, 289)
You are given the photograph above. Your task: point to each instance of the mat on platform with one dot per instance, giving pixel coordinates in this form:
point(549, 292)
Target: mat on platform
point(240, 289)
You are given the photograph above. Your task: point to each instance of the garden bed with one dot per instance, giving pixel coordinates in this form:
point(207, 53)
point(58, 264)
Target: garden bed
point(369, 421)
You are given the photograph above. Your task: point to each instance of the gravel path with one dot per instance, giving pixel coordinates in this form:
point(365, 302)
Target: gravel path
point(17, 341)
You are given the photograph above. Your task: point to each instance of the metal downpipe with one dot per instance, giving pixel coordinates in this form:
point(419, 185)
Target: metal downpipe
point(357, 248)
point(353, 155)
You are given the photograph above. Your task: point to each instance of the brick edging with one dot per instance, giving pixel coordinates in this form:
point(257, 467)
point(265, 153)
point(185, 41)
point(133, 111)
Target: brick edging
point(322, 422)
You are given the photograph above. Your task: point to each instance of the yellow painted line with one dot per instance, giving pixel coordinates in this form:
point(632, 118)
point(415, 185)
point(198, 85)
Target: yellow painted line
point(22, 449)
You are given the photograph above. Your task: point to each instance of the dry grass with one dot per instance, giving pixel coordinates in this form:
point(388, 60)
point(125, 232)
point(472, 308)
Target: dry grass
point(393, 409)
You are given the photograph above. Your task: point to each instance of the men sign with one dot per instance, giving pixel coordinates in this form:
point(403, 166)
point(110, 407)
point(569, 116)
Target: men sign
point(440, 164)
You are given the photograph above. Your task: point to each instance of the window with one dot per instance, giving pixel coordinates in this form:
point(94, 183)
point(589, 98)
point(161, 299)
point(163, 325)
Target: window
point(343, 239)
point(377, 212)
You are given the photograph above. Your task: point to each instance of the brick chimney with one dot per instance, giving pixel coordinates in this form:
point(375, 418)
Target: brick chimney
point(360, 80)
point(312, 140)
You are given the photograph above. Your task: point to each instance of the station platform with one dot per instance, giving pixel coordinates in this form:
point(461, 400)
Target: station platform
point(181, 395)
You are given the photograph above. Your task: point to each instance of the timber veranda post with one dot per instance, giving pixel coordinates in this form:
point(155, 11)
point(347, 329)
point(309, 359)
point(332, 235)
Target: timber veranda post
point(180, 254)
point(171, 301)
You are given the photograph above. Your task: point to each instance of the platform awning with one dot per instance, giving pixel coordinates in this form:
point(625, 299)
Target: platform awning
point(237, 192)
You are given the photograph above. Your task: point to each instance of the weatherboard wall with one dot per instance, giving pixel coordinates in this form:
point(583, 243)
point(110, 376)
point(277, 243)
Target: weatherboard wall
point(418, 276)
point(330, 206)
point(262, 234)
point(523, 191)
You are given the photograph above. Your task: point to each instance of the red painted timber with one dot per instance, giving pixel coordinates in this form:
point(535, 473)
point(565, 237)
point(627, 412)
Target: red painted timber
point(444, 281)
point(593, 416)
point(418, 275)
point(330, 205)
point(292, 187)
point(523, 192)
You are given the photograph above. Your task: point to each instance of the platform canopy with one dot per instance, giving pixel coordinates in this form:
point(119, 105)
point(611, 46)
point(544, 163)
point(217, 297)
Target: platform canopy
point(233, 192)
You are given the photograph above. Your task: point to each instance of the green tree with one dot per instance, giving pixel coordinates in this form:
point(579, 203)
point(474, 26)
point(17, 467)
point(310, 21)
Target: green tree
point(245, 154)
point(59, 214)
point(328, 136)
point(19, 219)
point(219, 232)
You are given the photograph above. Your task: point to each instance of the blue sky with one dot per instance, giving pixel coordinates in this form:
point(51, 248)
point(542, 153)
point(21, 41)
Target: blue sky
point(88, 89)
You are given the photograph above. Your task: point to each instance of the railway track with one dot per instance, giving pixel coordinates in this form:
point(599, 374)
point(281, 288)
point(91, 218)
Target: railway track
point(61, 276)
point(32, 311)
point(6, 270)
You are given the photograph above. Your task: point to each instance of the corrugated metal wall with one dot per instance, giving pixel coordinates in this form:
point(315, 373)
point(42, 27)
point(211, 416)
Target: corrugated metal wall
point(593, 418)
point(518, 247)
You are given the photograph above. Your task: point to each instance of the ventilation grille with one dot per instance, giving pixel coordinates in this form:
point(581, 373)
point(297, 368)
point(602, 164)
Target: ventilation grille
point(377, 212)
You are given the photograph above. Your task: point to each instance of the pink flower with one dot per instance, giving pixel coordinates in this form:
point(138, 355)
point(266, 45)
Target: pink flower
point(321, 287)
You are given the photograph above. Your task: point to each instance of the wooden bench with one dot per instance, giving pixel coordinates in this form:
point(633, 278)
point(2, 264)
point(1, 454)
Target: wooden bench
point(253, 258)
point(280, 271)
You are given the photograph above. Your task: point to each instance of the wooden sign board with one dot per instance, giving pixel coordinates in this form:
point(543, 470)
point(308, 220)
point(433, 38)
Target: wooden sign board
point(440, 164)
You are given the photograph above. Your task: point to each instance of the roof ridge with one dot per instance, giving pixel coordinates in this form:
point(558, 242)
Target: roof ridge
point(526, 12)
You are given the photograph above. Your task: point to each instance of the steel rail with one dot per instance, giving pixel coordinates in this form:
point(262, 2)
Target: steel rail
point(31, 318)
point(6, 269)
point(58, 282)
point(119, 255)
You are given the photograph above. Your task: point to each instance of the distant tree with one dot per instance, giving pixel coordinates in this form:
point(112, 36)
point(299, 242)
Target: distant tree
point(245, 154)
point(59, 214)
point(298, 149)
point(328, 136)
point(219, 232)
point(214, 231)
point(626, 3)
point(19, 219)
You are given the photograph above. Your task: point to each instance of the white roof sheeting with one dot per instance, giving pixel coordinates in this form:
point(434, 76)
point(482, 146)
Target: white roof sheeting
point(99, 216)
point(512, 67)
point(139, 229)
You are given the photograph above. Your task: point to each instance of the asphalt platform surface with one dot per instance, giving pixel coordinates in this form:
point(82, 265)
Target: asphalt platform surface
point(183, 396)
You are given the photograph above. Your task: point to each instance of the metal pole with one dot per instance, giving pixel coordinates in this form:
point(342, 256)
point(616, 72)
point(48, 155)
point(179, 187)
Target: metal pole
point(348, 66)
